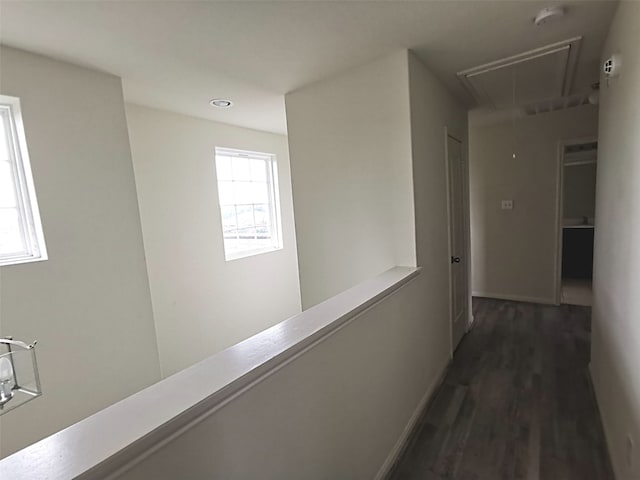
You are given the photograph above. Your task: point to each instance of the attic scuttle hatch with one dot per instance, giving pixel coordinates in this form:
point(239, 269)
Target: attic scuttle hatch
point(19, 379)
point(540, 74)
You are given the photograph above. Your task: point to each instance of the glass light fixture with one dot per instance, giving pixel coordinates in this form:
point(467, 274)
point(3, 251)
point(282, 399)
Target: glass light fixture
point(19, 379)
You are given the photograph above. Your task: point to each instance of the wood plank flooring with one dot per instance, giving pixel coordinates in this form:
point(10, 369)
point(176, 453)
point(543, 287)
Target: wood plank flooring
point(516, 402)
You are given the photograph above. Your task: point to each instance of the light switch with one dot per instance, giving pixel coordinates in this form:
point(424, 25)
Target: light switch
point(507, 204)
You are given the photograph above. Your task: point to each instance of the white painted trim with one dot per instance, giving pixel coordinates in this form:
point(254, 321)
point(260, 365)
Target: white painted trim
point(273, 196)
point(27, 202)
point(110, 442)
point(558, 227)
point(449, 251)
point(580, 162)
point(571, 44)
point(467, 235)
point(560, 210)
point(467, 212)
point(400, 446)
point(515, 298)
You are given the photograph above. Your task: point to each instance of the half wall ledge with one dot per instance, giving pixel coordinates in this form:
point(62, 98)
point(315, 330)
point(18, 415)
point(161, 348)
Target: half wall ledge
point(112, 440)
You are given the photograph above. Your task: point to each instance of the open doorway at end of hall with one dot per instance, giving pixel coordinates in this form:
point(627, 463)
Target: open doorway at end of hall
point(578, 167)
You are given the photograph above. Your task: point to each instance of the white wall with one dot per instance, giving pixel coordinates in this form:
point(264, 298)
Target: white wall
point(433, 109)
point(349, 139)
point(513, 251)
point(342, 406)
point(339, 410)
point(336, 411)
point(202, 303)
point(88, 305)
point(615, 363)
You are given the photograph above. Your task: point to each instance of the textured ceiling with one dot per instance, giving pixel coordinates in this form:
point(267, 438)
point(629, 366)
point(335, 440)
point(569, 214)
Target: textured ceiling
point(177, 55)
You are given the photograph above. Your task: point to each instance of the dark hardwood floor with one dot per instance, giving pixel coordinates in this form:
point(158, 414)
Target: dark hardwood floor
point(516, 402)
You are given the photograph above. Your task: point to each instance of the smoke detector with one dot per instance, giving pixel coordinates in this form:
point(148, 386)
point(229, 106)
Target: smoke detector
point(548, 14)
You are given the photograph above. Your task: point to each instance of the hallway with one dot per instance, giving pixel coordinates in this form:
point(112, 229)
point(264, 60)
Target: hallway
point(516, 402)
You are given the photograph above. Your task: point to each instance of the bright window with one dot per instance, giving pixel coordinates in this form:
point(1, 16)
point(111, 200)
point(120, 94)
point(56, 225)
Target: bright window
point(21, 238)
point(249, 202)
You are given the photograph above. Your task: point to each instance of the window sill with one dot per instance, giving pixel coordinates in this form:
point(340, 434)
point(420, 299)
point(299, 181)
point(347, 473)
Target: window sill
point(7, 262)
point(250, 253)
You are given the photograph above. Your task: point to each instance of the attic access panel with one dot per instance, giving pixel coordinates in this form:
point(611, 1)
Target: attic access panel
point(539, 74)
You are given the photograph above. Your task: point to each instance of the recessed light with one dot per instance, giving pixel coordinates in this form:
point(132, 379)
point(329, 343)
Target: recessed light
point(220, 103)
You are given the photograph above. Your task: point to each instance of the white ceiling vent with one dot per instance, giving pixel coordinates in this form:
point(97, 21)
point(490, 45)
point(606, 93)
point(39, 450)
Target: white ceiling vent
point(532, 76)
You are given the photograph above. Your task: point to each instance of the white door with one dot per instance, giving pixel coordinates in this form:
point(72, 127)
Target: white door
point(457, 239)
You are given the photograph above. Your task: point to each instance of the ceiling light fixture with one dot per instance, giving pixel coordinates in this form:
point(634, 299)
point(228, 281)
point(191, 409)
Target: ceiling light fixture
point(220, 103)
point(547, 14)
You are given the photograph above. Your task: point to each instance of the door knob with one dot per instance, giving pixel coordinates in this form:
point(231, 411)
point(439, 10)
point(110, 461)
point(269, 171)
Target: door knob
point(455, 259)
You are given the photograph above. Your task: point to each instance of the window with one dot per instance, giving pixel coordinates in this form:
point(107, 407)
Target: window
point(249, 202)
point(21, 238)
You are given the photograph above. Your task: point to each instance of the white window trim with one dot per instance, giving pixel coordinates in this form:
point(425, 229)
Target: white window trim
point(274, 201)
point(25, 189)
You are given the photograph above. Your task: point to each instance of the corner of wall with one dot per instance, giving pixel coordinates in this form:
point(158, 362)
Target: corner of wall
point(361, 150)
point(616, 307)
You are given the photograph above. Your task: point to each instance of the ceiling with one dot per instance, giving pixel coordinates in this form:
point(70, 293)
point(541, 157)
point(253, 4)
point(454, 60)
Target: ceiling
point(178, 55)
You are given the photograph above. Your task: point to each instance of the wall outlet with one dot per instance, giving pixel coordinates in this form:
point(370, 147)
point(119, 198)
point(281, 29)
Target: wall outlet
point(507, 204)
point(630, 454)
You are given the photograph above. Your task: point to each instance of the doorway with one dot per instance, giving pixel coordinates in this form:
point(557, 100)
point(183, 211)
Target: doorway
point(457, 241)
point(578, 167)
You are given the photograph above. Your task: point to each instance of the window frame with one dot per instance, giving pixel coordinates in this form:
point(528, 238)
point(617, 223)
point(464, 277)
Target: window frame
point(273, 193)
point(26, 201)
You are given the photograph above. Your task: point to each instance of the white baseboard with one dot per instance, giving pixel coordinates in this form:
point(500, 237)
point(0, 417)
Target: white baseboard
point(516, 298)
point(399, 447)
